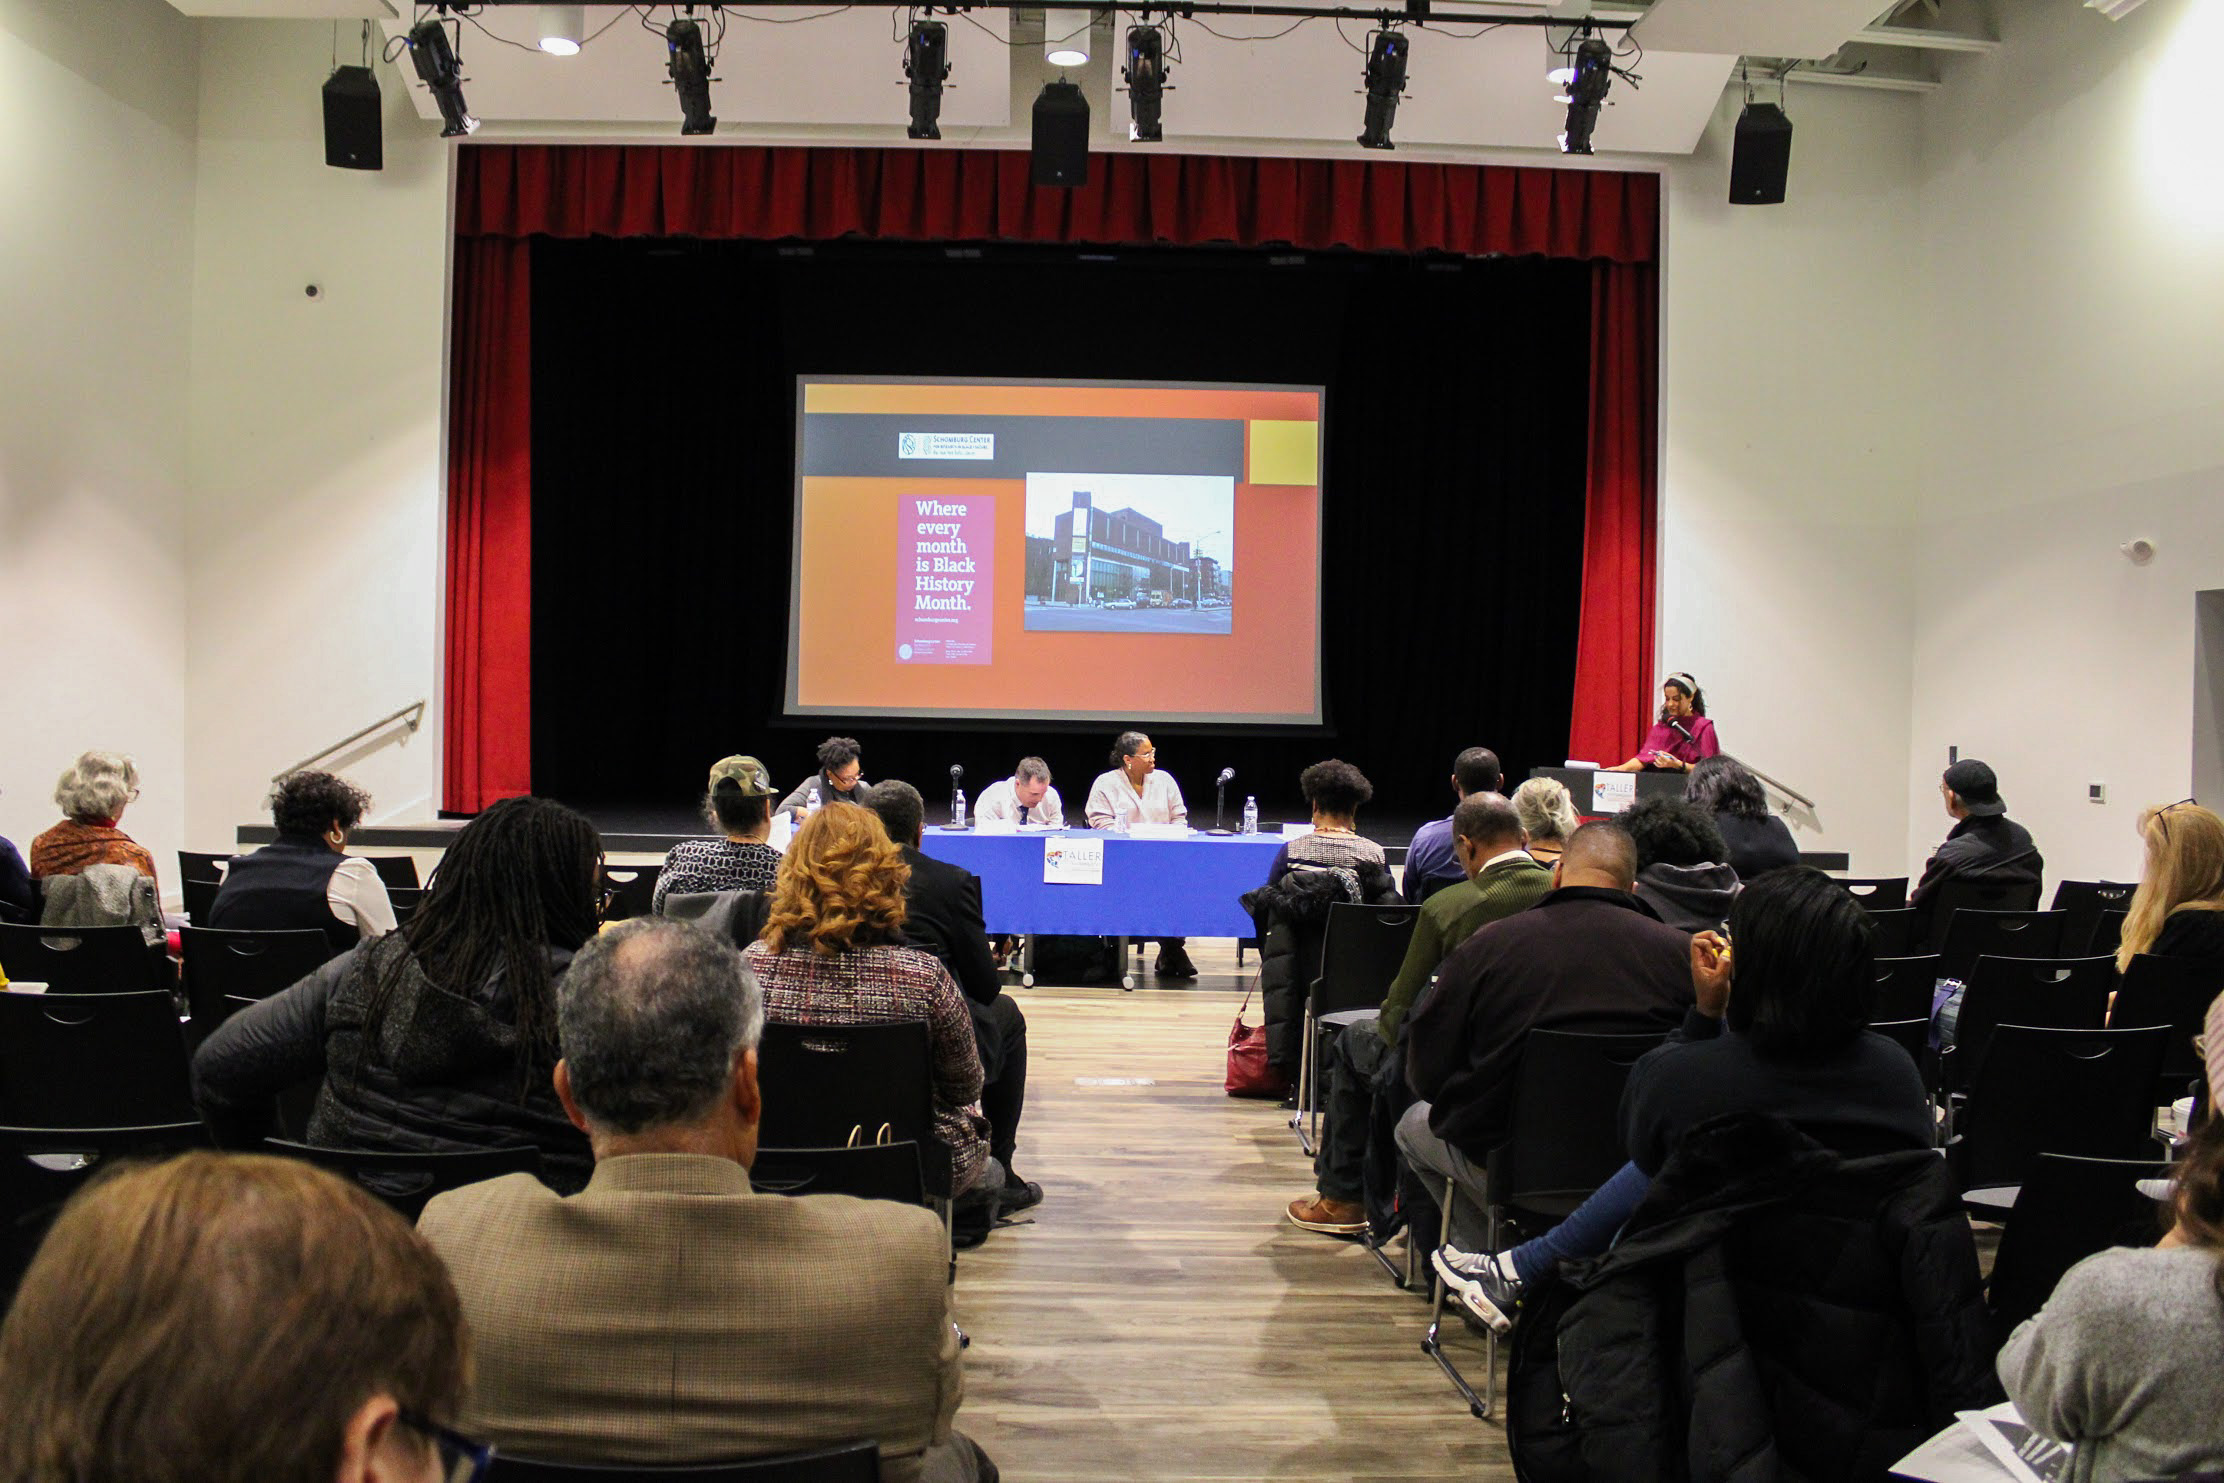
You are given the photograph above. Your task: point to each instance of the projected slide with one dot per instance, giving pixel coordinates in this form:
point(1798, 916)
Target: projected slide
point(1070, 550)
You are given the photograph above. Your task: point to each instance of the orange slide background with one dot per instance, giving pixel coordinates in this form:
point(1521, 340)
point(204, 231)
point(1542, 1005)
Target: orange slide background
point(847, 584)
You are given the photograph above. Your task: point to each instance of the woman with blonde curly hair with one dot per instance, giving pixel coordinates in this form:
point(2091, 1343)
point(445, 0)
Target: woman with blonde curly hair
point(832, 953)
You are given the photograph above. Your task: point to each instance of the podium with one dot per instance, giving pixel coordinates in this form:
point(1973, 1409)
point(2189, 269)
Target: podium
point(1580, 781)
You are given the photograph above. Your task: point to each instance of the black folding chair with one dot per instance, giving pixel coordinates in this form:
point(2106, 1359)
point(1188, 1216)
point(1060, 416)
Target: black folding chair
point(2085, 1092)
point(2108, 933)
point(195, 865)
point(1566, 1141)
point(2070, 1208)
point(396, 870)
point(1362, 949)
point(405, 902)
point(2085, 901)
point(1895, 932)
point(1973, 895)
point(82, 960)
point(1905, 986)
point(40, 1168)
point(2175, 992)
point(859, 1462)
point(634, 887)
point(93, 1061)
point(2054, 993)
point(407, 1180)
point(828, 1086)
point(200, 898)
point(227, 970)
point(1975, 934)
point(1877, 892)
point(870, 1171)
point(1912, 1036)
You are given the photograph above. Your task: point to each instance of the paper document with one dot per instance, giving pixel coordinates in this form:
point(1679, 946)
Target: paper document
point(1069, 861)
point(1990, 1446)
point(1296, 831)
point(996, 826)
point(1158, 831)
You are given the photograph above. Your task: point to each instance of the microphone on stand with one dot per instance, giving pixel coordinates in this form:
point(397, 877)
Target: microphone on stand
point(1220, 801)
point(1685, 732)
point(957, 796)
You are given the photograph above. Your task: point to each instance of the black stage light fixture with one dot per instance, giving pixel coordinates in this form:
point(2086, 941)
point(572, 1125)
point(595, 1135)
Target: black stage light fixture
point(438, 69)
point(1386, 59)
point(926, 63)
point(1145, 75)
point(690, 69)
point(1061, 140)
point(1594, 74)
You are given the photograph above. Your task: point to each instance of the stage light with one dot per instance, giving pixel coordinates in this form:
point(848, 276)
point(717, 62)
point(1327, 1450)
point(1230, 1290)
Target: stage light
point(1594, 74)
point(926, 63)
point(1386, 59)
point(437, 67)
point(1145, 75)
point(561, 28)
point(1066, 38)
point(690, 70)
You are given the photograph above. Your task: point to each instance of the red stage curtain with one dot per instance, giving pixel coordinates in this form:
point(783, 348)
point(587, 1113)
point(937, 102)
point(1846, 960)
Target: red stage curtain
point(489, 721)
point(509, 193)
point(1614, 644)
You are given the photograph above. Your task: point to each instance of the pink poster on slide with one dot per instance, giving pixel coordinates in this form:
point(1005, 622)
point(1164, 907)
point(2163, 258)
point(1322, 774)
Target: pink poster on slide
point(945, 579)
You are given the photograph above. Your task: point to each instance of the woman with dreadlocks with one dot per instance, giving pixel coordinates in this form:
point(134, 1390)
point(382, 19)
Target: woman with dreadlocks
point(440, 1036)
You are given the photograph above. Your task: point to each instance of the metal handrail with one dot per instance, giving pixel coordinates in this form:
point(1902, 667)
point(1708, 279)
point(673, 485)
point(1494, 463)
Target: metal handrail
point(1789, 792)
point(414, 712)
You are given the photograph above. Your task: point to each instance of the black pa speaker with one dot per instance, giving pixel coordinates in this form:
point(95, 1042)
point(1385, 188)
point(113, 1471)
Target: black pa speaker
point(352, 137)
point(1061, 153)
point(1762, 156)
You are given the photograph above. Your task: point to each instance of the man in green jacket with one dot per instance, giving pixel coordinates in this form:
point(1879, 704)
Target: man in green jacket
point(1501, 879)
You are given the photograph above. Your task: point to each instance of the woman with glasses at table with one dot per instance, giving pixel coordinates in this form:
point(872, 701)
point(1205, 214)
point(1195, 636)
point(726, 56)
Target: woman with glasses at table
point(233, 1319)
point(1133, 791)
point(441, 1035)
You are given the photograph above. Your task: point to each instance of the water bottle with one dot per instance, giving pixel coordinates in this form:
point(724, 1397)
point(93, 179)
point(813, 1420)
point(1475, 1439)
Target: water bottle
point(811, 801)
point(1250, 815)
point(957, 808)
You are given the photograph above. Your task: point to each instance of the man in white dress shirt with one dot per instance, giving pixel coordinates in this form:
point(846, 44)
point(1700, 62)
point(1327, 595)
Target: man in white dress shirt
point(1025, 797)
point(1136, 792)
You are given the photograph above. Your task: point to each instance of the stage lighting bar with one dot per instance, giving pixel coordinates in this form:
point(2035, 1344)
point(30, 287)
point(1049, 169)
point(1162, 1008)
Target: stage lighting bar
point(926, 64)
point(1594, 74)
point(1386, 62)
point(437, 67)
point(1145, 76)
point(689, 66)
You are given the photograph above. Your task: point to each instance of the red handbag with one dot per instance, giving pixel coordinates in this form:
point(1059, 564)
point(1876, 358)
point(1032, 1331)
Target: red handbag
point(1249, 1075)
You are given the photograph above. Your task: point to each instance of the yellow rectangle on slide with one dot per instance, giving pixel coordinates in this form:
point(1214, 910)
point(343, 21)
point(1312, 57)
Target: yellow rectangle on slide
point(1284, 452)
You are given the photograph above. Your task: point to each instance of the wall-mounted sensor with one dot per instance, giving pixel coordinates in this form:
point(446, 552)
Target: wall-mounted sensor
point(314, 290)
point(2140, 552)
point(2096, 792)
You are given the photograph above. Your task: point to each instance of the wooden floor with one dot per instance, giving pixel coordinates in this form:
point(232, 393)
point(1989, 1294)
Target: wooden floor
point(1161, 1318)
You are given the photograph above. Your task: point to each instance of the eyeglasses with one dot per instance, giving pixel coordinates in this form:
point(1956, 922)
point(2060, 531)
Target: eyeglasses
point(2162, 815)
point(461, 1459)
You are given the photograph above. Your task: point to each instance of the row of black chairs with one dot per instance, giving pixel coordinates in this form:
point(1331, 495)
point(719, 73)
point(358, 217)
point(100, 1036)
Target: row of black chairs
point(2085, 920)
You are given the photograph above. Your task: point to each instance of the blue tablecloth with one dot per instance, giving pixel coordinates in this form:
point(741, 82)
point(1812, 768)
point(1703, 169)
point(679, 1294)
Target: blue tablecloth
point(1152, 887)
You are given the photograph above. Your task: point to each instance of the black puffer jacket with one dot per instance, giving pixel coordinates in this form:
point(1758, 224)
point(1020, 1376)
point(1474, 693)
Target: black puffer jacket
point(438, 1075)
point(1774, 1314)
point(1292, 915)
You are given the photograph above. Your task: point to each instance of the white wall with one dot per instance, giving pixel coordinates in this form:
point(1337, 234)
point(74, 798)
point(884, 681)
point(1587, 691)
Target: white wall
point(1791, 391)
point(2072, 223)
point(313, 601)
point(97, 109)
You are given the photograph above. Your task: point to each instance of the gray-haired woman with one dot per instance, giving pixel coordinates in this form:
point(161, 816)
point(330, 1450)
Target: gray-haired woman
point(92, 795)
point(1548, 814)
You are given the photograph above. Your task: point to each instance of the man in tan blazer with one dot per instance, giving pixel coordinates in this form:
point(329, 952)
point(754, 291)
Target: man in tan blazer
point(667, 1313)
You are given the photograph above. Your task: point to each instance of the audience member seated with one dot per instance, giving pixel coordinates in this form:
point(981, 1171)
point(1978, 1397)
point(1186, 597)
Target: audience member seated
point(1785, 1032)
point(1498, 878)
point(739, 807)
point(1310, 874)
point(18, 903)
point(1548, 817)
point(1682, 864)
point(841, 776)
point(1430, 861)
point(304, 880)
point(441, 1035)
point(942, 914)
point(669, 1313)
point(833, 953)
point(2178, 910)
point(1984, 844)
point(232, 1319)
point(1589, 956)
point(88, 870)
point(1025, 797)
point(2118, 1364)
point(1133, 791)
point(1775, 1310)
point(1721, 787)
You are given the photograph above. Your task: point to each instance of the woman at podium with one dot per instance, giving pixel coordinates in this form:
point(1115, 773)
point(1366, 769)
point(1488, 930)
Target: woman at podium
point(1681, 733)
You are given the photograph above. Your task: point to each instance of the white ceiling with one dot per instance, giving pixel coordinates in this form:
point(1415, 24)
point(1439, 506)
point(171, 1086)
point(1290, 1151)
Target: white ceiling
point(1806, 29)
